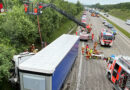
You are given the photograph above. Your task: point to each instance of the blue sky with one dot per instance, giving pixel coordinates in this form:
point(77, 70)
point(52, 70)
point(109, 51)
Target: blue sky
point(89, 2)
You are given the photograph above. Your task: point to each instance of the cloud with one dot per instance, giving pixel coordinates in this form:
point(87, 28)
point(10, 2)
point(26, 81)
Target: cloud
point(89, 2)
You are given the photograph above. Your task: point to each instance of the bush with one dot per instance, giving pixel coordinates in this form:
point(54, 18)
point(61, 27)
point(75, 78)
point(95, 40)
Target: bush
point(6, 53)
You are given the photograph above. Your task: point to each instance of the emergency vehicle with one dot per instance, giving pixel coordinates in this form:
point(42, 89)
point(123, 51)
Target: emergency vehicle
point(97, 14)
point(118, 71)
point(84, 19)
point(82, 29)
point(93, 14)
point(86, 34)
point(106, 38)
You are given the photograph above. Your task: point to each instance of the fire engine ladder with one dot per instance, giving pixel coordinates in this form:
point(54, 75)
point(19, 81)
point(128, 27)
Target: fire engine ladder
point(58, 10)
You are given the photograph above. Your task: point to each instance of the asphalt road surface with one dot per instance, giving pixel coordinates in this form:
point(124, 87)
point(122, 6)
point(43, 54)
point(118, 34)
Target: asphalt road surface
point(91, 74)
point(119, 22)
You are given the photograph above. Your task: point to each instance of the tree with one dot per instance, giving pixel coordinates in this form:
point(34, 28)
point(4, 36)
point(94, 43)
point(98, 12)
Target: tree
point(19, 28)
point(6, 53)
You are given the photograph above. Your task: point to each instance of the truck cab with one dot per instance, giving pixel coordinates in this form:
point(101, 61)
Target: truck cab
point(106, 38)
point(110, 64)
point(17, 60)
point(120, 73)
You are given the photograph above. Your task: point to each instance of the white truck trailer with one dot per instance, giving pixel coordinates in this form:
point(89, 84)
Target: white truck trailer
point(48, 69)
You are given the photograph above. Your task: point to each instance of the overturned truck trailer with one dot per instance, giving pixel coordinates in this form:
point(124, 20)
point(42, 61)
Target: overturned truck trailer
point(48, 69)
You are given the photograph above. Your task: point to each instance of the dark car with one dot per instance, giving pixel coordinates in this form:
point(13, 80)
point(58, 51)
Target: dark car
point(110, 26)
point(107, 15)
point(114, 31)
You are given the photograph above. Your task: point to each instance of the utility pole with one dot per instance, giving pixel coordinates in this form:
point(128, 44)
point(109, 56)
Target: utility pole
point(39, 31)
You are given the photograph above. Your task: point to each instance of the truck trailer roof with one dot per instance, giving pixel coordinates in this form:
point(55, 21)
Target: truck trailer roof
point(124, 62)
point(46, 60)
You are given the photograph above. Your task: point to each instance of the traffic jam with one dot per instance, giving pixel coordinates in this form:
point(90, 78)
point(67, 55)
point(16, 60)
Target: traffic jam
point(118, 67)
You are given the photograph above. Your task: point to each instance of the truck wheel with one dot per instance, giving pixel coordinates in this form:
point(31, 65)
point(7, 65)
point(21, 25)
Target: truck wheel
point(108, 76)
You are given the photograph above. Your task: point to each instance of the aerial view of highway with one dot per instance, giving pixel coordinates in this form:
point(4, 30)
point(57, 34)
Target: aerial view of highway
point(91, 74)
point(64, 45)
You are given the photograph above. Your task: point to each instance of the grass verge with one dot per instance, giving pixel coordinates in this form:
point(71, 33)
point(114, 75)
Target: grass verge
point(64, 29)
point(123, 14)
point(118, 27)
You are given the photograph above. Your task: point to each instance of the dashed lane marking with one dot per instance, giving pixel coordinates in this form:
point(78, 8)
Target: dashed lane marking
point(80, 68)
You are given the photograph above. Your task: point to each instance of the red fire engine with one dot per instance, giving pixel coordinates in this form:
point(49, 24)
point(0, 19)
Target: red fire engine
point(106, 37)
point(118, 71)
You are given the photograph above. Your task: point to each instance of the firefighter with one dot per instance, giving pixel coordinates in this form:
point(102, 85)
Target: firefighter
point(87, 46)
point(92, 36)
point(95, 45)
point(35, 51)
point(91, 52)
point(26, 50)
point(76, 33)
point(88, 53)
point(89, 28)
point(83, 50)
point(32, 47)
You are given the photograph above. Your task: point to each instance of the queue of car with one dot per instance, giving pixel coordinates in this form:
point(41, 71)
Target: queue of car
point(110, 26)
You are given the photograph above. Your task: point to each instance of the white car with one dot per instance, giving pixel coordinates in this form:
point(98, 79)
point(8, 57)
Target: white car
point(104, 21)
point(84, 36)
point(128, 22)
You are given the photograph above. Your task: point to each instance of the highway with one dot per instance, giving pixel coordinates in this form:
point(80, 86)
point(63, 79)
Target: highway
point(91, 74)
point(119, 22)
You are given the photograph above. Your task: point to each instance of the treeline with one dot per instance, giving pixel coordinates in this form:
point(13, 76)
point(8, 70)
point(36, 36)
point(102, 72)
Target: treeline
point(106, 8)
point(19, 30)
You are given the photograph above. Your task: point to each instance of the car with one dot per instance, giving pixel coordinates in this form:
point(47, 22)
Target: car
point(84, 18)
point(83, 21)
point(107, 15)
point(84, 35)
point(128, 22)
point(110, 26)
point(104, 21)
point(114, 31)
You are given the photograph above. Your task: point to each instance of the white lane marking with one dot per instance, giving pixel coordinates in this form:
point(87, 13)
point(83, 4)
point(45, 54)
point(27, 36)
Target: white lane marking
point(80, 68)
point(72, 30)
point(124, 40)
point(125, 37)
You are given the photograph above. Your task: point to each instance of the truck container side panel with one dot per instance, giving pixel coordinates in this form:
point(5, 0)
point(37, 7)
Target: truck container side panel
point(64, 67)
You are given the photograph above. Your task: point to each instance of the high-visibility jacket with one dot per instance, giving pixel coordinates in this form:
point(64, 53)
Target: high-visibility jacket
point(91, 51)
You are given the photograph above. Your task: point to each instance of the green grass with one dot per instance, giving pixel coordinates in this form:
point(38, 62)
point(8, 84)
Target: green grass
point(118, 27)
point(65, 28)
point(120, 13)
